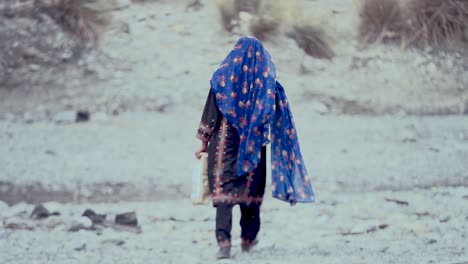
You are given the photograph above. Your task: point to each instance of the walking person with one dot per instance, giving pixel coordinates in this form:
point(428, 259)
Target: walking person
point(247, 109)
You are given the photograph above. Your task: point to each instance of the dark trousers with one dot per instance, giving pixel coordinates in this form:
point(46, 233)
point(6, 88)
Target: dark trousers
point(249, 222)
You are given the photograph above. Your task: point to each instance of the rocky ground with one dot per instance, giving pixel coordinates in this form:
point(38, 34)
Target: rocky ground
point(389, 190)
point(421, 226)
point(160, 55)
point(149, 155)
point(383, 131)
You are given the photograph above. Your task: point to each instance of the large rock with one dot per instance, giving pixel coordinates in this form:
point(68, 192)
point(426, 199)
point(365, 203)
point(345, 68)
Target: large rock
point(40, 212)
point(93, 217)
point(128, 219)
point(34, 45)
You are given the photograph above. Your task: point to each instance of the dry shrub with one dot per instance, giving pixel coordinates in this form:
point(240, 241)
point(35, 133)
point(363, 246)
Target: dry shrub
point(381, 21)
point(264, 28)
point(438, 23)
point(267, 15)
point(312, 41)
point(79, 17)
point(249, 6)
point(227, 14)
point(270, 18)
point(419, 23)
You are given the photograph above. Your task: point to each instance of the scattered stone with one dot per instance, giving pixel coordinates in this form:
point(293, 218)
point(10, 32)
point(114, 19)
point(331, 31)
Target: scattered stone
point(127, 219)
point(445, 220)
point(82, 223)
point(85, 221)
point(124, 27)
point(193, 5)
point(433, 149)
point(76, 228)
point(422, 214)
point(399, 202)
point(15, 226)
point(175, 219)
point(95, 218)
point(81, 248)
point(116, 242)
point(40, 212)
point(408, 136)
point(50, 152)
point(432, 241)
point(140, 17)
point(383, 250)
point(82, 116)
point(368, 230)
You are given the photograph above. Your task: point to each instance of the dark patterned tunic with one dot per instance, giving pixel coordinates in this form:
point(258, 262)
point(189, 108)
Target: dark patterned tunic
point(223, 144)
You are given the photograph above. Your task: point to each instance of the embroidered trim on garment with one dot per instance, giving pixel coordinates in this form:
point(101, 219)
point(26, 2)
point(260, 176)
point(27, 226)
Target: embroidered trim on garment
point(219, 159)
point(231, 199)
point(247, 187)
point(205, 131)
point(218, 195)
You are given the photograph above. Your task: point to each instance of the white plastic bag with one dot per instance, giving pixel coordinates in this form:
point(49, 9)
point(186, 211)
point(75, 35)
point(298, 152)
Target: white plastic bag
point(200, 189)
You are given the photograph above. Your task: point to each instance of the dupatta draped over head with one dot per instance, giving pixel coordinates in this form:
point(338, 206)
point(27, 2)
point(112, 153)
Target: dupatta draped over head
point(251, 99)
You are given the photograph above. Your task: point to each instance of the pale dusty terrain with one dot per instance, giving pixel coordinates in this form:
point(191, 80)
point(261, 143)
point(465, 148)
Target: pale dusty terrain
point(355, 163)
point(374, 124)
point(430, 229)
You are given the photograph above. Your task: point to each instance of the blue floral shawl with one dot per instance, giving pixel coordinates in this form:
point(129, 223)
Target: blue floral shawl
point(251, 99)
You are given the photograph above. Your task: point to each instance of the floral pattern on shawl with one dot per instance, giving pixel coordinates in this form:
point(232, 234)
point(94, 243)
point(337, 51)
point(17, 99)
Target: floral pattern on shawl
point(251, 99)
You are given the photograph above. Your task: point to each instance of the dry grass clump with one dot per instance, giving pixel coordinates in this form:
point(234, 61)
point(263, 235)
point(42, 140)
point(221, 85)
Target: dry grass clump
point(267, 15)
point(250, 6)
point(439, 23)
point(228, 14)
point(270, 18)
point(78, 16)
point(264, 28)
point(381, 21)
point(419, 23)
point(312, 41)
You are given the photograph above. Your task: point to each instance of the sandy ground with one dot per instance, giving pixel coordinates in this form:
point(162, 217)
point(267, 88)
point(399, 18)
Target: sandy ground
point(150, 155)
point(341, 228)
point(159, 56)
point(356, 164)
